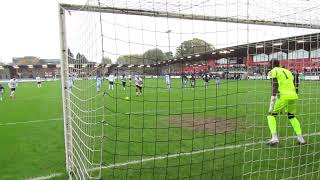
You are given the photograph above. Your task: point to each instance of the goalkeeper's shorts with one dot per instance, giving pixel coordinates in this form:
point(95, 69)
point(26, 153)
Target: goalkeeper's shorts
point(285, 106)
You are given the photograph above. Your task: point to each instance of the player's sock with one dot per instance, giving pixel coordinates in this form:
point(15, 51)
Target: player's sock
point(0, 98)
point(12, 95)
point(296, 126)
point(274, 136)
point(297, 129)
point(272, 124)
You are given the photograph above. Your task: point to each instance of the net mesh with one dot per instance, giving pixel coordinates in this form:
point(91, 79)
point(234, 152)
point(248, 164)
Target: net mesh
point(186, 96)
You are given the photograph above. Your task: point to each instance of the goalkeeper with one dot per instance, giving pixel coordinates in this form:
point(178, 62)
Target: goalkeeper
point(283, 100)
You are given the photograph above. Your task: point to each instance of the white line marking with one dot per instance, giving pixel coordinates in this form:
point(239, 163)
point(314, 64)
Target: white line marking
point(27, 122)
point(183, 154)
point(46, 177)
point(191, 153)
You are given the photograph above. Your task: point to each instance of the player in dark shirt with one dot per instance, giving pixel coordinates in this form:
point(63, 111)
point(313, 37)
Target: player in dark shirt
point(1, 92)
point(193, 81)
point(184, 79)
point(206, 79)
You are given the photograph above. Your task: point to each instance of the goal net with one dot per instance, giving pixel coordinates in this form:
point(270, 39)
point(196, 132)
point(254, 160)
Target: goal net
point(159, 89)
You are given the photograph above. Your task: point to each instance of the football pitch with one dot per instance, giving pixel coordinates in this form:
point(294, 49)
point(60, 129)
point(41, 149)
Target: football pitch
point(214, 133)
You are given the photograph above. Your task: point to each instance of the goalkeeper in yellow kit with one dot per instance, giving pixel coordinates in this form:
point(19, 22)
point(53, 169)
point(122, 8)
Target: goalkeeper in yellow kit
point(283, 100)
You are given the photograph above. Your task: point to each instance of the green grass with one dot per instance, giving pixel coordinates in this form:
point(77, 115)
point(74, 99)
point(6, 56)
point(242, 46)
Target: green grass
point(140, 129)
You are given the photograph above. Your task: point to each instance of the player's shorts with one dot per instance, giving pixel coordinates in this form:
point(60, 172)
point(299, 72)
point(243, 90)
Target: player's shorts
point(39, 82)
point(123, 84)
point(13, 89)
point(111, 82)
point(139, 87)
point(285, 106)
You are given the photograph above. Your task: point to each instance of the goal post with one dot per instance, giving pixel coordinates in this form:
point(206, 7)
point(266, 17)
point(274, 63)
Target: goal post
point(64, 76)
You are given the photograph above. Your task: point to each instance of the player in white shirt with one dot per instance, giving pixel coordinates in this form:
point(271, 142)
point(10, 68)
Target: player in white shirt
point(139, 85)
point(168, 81)
point(1, 92)
point(12, 85)
point(111, 81)
point(218, 81)
point(70, 82)
point(38, 79)
point(98, 82)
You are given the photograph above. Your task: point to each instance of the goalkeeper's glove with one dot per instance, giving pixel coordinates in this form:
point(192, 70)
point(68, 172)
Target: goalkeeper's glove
point(272, 102)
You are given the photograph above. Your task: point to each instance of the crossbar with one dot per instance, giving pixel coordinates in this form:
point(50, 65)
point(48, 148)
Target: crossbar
point(163, 14)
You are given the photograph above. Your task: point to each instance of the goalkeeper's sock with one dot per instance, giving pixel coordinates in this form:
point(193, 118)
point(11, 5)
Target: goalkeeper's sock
point(296, 126)
point(272, 124)
point(275, 136)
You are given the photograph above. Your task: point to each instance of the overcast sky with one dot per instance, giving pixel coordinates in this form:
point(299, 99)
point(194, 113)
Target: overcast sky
point(31, 28)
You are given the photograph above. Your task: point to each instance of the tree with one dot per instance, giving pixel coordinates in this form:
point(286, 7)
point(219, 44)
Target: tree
point(193, 46)
point(106, 60)
point(169, 55)
point(153, 56)
point(130, 59)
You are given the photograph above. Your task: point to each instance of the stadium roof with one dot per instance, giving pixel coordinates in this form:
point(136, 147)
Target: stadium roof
point(307, 42)
point(287, 44)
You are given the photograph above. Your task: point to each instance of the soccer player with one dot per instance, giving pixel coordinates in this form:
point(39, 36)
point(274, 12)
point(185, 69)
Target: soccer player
point(193, 81)
point(206, 79)
point(129, 78)
point(218, 81)
point(98, 82)
point(70, 82)
point(168, 81)
point(111, 81)
point(38, 79)
point(139, 84)
point(283, 100)
point(124, 81)
point(184, 81)
point(12, 85)
point(1, 92)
